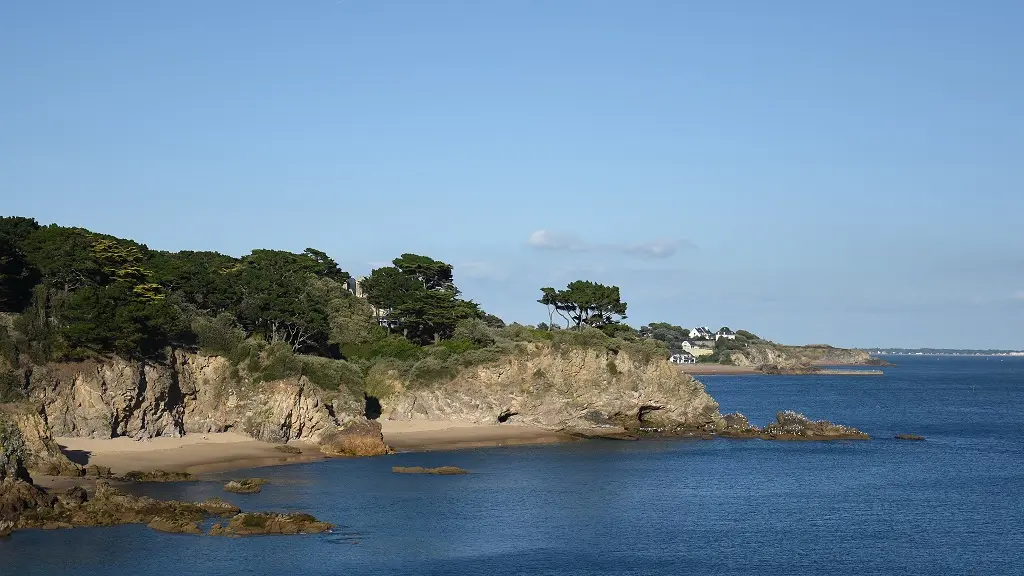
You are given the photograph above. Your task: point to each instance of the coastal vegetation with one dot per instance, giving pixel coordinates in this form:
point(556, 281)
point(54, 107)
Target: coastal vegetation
point(69, 294)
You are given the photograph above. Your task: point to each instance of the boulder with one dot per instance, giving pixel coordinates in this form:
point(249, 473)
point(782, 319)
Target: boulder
point(360, 437)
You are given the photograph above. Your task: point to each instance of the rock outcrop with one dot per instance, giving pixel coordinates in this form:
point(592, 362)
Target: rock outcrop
point(245, 486)
point(23, 505)
point(789, 425)
point(266, 523)
point(191, 393)
point(357, 438)
point(41, 454)
point(573, 389)
point(779, 359)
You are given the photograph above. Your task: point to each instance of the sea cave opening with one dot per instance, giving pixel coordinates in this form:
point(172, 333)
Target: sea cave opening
point(372, 408)
point(505, 415)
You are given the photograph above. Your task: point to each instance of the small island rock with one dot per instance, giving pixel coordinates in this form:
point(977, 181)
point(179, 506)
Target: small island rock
point(266, 523)
point(246, 486)
point(440, 470)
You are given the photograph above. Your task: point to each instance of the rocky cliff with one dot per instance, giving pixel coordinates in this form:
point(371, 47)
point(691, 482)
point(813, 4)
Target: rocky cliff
point(189, 393)
point(575, 389)
point(796, 358)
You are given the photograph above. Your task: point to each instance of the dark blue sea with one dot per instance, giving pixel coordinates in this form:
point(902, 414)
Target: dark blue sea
point(953, 504)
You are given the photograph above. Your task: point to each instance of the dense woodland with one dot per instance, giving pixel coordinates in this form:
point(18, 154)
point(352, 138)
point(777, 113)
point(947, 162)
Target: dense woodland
point(72, 294)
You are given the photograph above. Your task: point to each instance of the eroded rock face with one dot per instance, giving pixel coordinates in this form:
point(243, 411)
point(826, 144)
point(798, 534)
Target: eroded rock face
point(789, 425)
point(569, 389)
point(358, 438)
point(12, 452)
point(189, 394)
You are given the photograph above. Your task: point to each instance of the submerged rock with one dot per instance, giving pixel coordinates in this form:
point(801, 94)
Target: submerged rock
point(174, 525)
point(914, 437)
point(246, 486)
point(155, 476)
point(265, 523)
point(358, 438)
point(789, 425)
point(440, 470)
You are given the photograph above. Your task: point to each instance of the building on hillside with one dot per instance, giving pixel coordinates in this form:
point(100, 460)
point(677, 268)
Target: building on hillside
point(683, 357)
point(702, 333)
point(725, 333)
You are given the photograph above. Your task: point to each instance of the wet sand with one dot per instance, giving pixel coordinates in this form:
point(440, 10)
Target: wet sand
point(429, 435)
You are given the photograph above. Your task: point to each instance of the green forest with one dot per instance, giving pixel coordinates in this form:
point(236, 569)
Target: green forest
point(70, 294)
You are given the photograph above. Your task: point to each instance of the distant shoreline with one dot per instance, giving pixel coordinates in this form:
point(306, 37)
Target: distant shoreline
point(829, 370)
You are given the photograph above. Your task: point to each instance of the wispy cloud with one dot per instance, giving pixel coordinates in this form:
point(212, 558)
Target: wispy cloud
point(1018, 295)
point(548, 240)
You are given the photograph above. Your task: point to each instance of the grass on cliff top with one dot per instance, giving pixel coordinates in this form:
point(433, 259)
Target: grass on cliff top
point(371, 368)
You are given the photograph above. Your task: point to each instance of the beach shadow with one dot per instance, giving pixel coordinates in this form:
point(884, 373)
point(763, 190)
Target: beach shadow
point(80, 457)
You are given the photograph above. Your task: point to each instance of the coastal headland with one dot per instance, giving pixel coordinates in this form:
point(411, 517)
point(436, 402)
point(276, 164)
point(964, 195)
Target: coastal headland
point(119, 363)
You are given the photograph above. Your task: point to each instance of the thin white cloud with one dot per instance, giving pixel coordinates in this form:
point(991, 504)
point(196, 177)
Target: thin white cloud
point(1018, 295)
point(548, 240)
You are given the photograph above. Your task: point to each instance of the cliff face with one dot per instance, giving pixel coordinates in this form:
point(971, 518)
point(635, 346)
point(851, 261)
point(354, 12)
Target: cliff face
point(797, 357)
point(40, 451)
point(575, 389)
point(191, 393)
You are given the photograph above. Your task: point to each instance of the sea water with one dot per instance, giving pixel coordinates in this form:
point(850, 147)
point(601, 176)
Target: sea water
point(953, 504)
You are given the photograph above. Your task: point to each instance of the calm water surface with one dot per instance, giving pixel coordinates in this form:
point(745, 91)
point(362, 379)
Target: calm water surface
point(951, 505)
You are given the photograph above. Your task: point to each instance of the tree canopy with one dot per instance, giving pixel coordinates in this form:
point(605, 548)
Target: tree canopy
point(418, 296)
point(585, 303)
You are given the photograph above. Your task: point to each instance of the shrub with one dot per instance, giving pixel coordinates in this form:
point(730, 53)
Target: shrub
point(613, 368)
point(378, 378)
point(458, 346)
point(10, 387)
point(391, 347)
point(646, 350)
point(220, 336)
point(474, 331)
point(430, 371)
point(277, 363)
point(8, 348)
point(332, 374)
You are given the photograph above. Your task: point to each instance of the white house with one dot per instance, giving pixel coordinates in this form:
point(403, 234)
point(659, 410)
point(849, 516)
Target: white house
point(683, 357)
point(725, 333)
point(701, 333)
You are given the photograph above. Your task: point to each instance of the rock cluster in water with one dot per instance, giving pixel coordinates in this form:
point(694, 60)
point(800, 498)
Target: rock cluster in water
point(789, 425)
point(440, 470)
point(246, 486)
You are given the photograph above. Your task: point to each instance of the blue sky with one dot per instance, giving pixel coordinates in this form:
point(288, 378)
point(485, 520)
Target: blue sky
point(841, 172)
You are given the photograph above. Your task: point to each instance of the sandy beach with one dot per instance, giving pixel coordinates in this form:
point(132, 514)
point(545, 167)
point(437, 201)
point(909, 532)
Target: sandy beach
point(193, 453)
point(215, 452)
